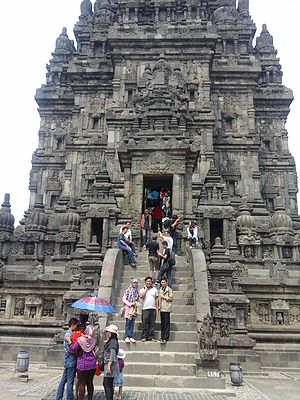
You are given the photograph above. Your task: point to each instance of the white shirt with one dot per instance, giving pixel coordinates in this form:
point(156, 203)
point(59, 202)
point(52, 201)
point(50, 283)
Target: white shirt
point(149, 299)
point(169, 240)
point(195, 233)
point(127, 235)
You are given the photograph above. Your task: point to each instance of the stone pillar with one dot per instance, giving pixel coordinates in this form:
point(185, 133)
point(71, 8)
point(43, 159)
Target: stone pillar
point(105, 233)
point(178, 196)
point(188, 195)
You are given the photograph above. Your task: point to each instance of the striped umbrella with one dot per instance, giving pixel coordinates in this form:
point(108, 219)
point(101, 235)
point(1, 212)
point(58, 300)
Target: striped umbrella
point(94, 304)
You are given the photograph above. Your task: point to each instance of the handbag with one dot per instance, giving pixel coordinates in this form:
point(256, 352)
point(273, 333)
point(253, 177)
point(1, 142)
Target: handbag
point(98, 372)
point(122, 312)
point(101, 363)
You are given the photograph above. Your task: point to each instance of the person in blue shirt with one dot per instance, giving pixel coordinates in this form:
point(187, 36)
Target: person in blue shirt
point(155, 197)
point(123, 244)
point(70, 360)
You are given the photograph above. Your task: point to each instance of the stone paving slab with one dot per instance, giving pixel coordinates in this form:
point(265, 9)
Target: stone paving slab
point(43, 383)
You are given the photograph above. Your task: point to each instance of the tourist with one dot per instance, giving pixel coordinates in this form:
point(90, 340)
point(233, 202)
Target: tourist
point(157, 218)
point(69, 364)
point(173, 231)
point(167, 238)
point(192, 232)
point(165, 304)
point(165, 264)
point(130, 298)
point(153, 259)
point(86, 362)
point(166, 204)
point(150, 306)
point(155, 197)
point(146, 222)
point(111, 364)
point(119, 379)
point(124, 245)
point(128, 237)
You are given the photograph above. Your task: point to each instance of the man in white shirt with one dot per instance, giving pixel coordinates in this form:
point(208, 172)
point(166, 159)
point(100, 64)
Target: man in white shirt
point(166, 237)
point(128, 236)
point(150, 306)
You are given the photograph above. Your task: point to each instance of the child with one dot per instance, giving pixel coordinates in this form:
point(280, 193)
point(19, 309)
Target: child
point(78, 333)
point(119, 380)
point(69, 363)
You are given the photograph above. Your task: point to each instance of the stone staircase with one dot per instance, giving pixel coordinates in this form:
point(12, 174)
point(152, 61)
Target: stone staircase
point(171, 365)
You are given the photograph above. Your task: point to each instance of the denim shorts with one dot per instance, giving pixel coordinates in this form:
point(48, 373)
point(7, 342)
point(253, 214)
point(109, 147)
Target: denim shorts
point(119, 380)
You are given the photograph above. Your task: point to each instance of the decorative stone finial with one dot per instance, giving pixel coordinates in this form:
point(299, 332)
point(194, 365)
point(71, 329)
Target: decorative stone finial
point(71, 220)
point(245, 222)
point(281, 222)
point(7, 220)
point(37, 220)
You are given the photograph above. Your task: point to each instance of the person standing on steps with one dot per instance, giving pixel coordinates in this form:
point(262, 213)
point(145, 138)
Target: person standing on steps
point(150, 306)
point(166, 266)
point(153, 248)
point(123, 244)
point(173, 231)
point(167, 238)
point(165, 300)
point(130, 298)
point(146, 222)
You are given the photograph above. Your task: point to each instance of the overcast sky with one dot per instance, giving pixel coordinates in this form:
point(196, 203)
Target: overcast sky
point(28, 31)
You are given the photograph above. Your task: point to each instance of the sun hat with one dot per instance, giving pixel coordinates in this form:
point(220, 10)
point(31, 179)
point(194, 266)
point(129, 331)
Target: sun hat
point(112, 328)
point(121, 354)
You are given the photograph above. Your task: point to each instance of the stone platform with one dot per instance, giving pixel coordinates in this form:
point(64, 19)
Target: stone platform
point(43, 382)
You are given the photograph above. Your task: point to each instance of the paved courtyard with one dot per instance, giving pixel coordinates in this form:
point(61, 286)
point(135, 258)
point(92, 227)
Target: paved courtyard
point(43, 382)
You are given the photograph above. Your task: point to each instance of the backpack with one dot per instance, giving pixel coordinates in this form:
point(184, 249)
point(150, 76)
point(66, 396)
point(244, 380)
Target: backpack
point(171, 259)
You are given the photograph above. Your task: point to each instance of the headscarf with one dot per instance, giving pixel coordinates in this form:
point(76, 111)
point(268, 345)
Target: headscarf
point(132, 294)
point(88, 344)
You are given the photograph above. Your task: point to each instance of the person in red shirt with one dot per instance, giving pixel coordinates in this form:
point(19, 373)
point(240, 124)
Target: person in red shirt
point(157, 215)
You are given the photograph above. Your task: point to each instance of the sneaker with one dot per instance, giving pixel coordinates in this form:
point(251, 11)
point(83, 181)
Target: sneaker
point(163, 341)
point(133, 265)
point(143, 339)
point(127, 340)
point(132, 340)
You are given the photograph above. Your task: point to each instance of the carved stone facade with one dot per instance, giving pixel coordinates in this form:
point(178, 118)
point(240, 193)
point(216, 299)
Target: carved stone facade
point(157, 90)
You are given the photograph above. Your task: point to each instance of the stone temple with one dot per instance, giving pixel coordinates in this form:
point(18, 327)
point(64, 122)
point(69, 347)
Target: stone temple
point(164, 93)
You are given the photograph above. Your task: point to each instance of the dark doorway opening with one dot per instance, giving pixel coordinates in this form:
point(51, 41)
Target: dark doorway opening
point(216, 230)
point(97, 229)
point(158, 193)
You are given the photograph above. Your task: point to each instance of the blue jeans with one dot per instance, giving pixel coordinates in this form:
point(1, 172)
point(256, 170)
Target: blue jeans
point(129, 253)
point(67, 378)
point(129, 327)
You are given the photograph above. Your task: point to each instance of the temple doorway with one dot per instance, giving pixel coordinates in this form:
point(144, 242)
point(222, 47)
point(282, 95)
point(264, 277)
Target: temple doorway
point(216, 230)
point(157, 196)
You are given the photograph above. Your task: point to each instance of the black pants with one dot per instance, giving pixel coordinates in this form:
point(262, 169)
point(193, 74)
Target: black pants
point(148, 321)
point(108, 384)
point(165, 325)
point(85, 378)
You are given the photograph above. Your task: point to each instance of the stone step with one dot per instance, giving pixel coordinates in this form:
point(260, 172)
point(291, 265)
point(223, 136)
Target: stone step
point(175, 336)
point(141, 274)
point(176, 302)
point(178, 326)
point(174, 382)
point(160, 357)
point(178, 294)
point(175, 281)
point(174, 318)
point(175, 286)
point(178, 346)
point(147, 368)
